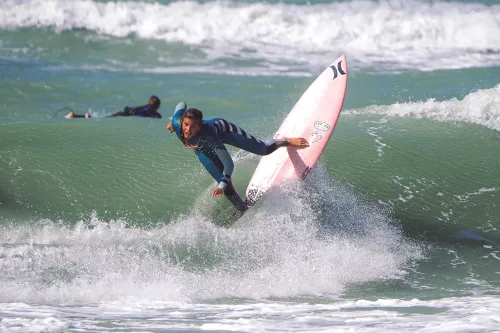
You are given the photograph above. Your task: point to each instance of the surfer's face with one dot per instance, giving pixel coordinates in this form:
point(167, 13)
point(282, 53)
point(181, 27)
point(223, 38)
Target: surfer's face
point(190, 127)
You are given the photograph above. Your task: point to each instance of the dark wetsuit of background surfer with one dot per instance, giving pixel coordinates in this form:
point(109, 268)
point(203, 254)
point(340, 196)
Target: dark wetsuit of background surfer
point(139, 111)
point(212, 153)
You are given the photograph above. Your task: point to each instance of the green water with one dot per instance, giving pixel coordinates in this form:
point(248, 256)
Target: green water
point(398, 221)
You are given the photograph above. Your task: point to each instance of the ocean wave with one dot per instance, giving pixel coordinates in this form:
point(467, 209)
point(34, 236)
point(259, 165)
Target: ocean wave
point(481, 107)
point(392, 34)
point(329, 238)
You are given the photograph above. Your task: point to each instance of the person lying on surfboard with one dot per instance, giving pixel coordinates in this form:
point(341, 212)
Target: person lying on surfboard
point(149, 110)
point(207, 139)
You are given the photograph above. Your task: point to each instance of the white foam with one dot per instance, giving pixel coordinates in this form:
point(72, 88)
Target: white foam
point(392, 34)
point(208, 69)
point(309, 240)
point(277, 250)
point(35, 325)
point(465, 197)
point(481, 107)
point(456, 314)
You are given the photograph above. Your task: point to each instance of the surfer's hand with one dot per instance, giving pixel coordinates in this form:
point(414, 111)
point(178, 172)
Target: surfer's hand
point(297, 142)
point(218, 192)
point(169, 127)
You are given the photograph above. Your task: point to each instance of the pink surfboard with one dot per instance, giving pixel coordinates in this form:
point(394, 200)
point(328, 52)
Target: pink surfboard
point(313, 117)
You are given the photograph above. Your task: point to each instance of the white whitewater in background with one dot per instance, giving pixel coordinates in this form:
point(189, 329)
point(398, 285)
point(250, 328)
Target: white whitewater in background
point(390, 34)
point(481, 107)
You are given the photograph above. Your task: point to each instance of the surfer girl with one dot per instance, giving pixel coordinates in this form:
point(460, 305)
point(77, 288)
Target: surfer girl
point(207, 139)
point(149, 110)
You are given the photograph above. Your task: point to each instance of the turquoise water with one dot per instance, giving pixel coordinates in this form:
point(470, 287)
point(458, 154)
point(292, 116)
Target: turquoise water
point(108, 225)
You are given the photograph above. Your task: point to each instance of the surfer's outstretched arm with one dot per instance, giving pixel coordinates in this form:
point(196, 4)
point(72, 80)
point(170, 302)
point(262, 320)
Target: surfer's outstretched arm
point(235, 136)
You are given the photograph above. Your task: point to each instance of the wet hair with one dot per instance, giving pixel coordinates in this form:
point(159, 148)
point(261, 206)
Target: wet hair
point(154, 101)
point(193, 114)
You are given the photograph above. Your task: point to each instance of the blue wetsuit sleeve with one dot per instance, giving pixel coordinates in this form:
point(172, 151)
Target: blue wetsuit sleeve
point(176, 119)
point(222, 153)
point(228, 163)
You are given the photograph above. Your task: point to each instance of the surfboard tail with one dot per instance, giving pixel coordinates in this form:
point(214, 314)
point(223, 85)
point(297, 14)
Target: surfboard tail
point(253, 195)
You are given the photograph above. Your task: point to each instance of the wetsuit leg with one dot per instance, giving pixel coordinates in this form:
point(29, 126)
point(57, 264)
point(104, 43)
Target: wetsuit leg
point(118, 114)
point(236, 136)
point(127, 111)
point(215, 167)
point(234, 197)
point(121, 114)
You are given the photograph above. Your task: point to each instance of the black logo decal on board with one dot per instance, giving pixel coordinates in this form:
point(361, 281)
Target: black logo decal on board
point(337, 70)
point(305, 173)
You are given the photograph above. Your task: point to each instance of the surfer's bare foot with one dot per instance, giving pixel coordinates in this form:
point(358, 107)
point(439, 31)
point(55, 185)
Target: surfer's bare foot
point(69, 115)
point(87, 115)
point(297, 142)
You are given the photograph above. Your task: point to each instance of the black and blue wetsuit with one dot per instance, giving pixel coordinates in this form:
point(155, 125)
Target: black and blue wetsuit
point(140, 111)
point(209, 146)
